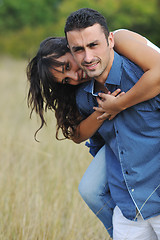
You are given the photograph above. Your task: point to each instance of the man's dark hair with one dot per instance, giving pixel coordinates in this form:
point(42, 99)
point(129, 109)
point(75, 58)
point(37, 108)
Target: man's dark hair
point(83, 18)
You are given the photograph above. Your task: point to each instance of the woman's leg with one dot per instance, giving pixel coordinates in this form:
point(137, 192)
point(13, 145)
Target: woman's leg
point(95, 192)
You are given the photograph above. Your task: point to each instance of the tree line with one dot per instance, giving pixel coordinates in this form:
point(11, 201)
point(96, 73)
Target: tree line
point(24, 24)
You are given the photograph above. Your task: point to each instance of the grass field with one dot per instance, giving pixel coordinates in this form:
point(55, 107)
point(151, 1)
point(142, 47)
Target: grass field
point(39, 197)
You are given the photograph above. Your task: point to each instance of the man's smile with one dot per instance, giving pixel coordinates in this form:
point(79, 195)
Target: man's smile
point(91, 66)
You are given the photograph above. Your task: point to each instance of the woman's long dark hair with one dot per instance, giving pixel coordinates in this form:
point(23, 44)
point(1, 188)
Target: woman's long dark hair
point(45, 93)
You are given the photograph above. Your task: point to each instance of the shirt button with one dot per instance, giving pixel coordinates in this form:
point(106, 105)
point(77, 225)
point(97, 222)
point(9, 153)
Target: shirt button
point(117, 131)
point(121, 152)
point(126, 172)
point(132, 189)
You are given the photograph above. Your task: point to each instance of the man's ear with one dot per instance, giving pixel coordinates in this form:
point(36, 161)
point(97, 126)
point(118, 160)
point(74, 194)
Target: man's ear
point(111, 40)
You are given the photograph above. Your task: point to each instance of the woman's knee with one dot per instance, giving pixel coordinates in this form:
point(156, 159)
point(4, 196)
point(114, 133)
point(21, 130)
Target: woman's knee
point(93, 183)
point(87, 190)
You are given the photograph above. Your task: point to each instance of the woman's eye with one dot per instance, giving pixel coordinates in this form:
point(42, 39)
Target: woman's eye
point(67, 66)
point(65, 80)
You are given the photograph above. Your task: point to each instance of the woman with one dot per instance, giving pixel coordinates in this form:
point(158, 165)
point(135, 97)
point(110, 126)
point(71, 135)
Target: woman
point(54, 78)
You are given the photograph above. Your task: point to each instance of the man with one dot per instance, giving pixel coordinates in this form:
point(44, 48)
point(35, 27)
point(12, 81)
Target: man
point(132, 138)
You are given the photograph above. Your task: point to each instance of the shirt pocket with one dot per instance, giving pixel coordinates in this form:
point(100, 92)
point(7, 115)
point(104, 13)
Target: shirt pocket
point(149, 113)
point(158, 191)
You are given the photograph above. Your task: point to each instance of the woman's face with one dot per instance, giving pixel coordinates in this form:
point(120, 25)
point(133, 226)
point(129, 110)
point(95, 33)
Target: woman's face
point(69, 72)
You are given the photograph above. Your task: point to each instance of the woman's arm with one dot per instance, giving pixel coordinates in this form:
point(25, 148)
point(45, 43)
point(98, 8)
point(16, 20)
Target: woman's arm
point(90, 125)
point(87, 127)
point(134, 47)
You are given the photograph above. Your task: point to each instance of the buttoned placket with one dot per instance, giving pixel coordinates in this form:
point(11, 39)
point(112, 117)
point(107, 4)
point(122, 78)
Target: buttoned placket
point(125, 172)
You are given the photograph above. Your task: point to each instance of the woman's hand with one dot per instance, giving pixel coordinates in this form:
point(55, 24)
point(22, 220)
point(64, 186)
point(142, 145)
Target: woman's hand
point(108, 105)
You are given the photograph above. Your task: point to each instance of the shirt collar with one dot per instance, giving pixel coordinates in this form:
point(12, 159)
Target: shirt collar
point(115, 73)
point(114, 76)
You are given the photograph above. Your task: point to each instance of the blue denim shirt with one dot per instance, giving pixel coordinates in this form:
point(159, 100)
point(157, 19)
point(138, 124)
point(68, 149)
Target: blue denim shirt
point(132, 141)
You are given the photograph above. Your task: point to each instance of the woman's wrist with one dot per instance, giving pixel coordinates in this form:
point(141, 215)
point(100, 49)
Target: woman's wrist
point(121, 104)
point(98, 114)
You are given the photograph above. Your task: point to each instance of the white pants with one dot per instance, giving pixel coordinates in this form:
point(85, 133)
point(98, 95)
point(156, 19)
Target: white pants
point(124, 229)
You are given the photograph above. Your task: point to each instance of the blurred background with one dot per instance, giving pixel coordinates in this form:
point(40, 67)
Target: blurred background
point(23, 24)
point(39, 197)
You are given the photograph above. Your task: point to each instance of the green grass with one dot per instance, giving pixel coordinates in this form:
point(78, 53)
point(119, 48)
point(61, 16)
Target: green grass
point(39, 197)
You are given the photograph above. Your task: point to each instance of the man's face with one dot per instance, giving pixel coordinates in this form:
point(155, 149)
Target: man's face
point(91, 51)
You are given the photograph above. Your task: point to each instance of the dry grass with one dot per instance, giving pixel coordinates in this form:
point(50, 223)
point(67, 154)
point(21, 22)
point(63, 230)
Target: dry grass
point(39, 197)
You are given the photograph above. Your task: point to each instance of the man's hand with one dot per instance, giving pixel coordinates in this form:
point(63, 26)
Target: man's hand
point(108, 104)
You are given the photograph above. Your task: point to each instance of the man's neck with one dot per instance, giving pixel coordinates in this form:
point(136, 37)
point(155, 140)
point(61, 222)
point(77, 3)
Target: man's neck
point(98, 87)
point(102, 78)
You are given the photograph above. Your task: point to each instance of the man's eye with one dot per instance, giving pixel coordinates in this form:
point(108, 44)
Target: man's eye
point(93, 44)
point(78, 49)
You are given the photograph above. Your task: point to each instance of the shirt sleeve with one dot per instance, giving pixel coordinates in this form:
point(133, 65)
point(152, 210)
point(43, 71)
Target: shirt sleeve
point(157, 101)
point(95, 143)
point(84, 102)
point(85, 107)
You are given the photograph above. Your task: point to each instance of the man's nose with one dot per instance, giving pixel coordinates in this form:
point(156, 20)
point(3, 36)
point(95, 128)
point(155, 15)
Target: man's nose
point(88, 56)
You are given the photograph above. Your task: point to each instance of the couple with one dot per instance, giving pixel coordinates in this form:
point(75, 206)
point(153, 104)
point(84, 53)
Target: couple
point(122, 184)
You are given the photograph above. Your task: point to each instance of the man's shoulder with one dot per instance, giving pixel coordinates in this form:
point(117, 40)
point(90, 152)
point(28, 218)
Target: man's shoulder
point(81, 95)
point(129, 65)
point(84, 99)
point(81, 89)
